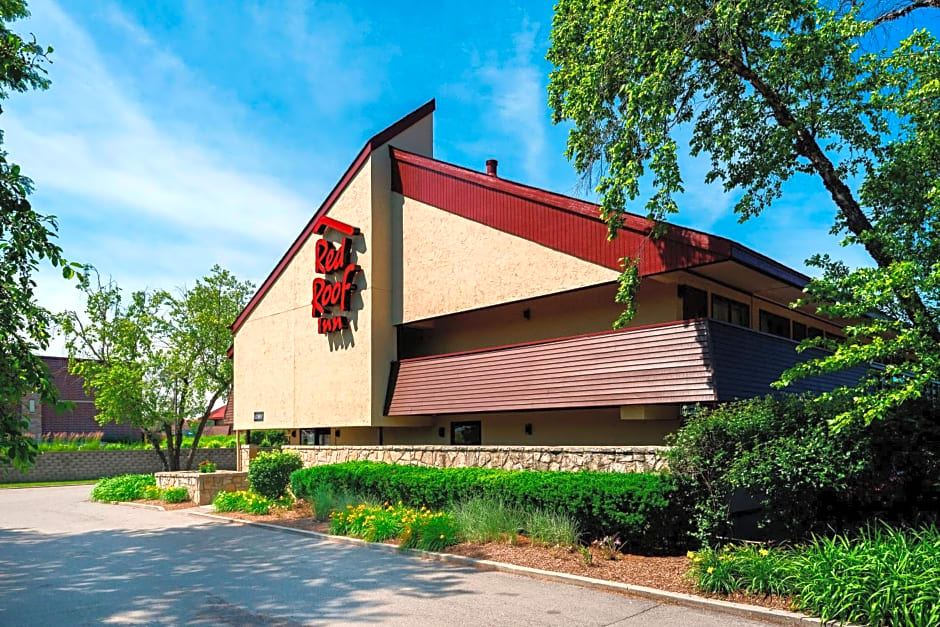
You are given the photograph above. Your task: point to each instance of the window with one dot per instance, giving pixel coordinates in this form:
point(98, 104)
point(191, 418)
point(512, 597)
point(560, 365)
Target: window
point(732, 311)
point(315, 437)
point(694, 302)
point(32, 405)
point(799, 331)
point(774, 324)
point(814, 332)
point(465, 433)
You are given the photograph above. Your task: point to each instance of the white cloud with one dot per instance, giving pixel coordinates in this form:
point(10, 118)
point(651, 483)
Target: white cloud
point(512, 91)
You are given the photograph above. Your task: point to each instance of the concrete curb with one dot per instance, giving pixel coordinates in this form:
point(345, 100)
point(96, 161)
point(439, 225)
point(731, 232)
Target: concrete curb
point(159, 508)
point(754, 612)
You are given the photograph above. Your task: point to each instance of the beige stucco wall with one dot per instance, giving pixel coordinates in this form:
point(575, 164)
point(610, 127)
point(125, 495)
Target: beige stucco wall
point(602, 426)
point(453, 264)
point(299, 377)
point(572, 313)
point(565, 427)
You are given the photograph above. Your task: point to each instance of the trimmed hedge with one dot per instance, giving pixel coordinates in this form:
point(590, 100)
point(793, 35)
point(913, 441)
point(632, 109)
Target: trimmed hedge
point(643, 509)
point(269, 473)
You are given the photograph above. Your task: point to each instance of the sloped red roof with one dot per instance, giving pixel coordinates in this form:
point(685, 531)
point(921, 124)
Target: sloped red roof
point(218, 413)
point(566, 224)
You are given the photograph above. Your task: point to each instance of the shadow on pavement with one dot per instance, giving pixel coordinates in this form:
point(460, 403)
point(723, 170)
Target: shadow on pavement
point(204, 574)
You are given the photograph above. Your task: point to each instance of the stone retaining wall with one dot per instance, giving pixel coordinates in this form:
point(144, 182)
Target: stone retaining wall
point(75, 465)
point(602, 458)
point(203, 486)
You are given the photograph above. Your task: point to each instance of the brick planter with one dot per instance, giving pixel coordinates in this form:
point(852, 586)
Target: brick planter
point(203, 486)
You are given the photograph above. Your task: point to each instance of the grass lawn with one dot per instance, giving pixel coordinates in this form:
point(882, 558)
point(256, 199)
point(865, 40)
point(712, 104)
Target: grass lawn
point(44, 484)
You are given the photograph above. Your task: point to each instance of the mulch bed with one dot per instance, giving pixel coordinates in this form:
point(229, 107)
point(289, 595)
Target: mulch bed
point(167, 506)
point(662, 573)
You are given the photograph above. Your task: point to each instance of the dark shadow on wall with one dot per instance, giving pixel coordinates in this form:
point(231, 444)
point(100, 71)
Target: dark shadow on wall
point(211, 574)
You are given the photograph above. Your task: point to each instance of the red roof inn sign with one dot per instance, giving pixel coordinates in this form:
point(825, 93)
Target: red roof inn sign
point(332, 295)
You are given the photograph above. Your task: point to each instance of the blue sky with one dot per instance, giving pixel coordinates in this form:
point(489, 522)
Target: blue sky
point(179, 135)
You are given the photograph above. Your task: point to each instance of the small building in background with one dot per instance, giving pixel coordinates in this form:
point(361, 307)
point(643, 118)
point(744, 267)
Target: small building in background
point(45, 421)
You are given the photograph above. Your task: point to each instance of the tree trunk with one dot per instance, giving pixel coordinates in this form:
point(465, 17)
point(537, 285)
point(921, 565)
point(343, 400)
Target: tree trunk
point(172, 453)
point(855, 219)
point(202, 425)
point(151, 437)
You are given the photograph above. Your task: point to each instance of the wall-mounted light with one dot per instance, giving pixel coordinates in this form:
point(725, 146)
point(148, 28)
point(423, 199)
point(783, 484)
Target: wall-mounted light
point(527, 313)
point(528, 428)
point(440, 432)
point(336, 433)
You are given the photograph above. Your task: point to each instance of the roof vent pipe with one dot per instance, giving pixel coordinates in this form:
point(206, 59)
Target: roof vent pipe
point(491, 166)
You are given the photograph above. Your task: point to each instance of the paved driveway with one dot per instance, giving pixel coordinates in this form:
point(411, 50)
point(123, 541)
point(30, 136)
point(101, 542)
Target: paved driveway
point(67, 561)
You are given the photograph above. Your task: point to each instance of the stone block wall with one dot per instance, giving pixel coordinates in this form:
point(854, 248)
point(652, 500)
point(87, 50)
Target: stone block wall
point(600, 458)
point(203, 486)
point(75, 465)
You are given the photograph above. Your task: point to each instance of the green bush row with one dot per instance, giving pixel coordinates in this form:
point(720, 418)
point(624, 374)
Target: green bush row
point(882, 576)
point(134, 488)
point(643, 509)
point(248, 501)
point(807, 477)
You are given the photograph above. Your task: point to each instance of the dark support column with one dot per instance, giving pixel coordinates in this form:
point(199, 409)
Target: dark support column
point(381, 436)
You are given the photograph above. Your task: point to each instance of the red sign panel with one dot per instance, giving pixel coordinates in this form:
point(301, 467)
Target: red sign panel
point(332, 295)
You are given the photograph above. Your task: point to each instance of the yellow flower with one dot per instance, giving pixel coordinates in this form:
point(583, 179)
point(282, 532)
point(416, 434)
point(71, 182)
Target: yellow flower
point(690, 554)
point(442, 536)
point(727, 549)
point(697, 560)
point(711, 569)
point(764, 552)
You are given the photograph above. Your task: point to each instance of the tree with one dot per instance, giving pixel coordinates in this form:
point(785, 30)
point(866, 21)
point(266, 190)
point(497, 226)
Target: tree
point(26, 240)
point(158, 359)
point(768, 91)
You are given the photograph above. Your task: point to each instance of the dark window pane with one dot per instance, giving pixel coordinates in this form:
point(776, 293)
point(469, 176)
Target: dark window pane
point(772, 323)
point(694, 302)
point(833, 336)
point(465, 433)
point(732, 311)
point(799, 331)
point(814, 332)
point(315, 437)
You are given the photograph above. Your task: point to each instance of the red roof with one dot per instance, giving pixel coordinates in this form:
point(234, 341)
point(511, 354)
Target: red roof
point(218, 413)
point(560, 222)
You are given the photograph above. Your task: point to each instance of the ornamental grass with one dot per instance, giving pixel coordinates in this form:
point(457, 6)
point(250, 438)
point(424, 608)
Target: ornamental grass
point(880, 576)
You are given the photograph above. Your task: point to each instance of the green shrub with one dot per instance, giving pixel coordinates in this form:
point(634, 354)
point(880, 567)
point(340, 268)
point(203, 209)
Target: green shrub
point(807, 478)
point(249, 502)
point(175, 495)
point(122, 488)
point(643, 508)
point(882, 576)
point(151, 492)
point(269, 473)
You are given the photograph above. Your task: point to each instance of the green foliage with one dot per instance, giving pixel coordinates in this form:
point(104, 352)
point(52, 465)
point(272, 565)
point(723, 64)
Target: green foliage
point(417, 528)
point(765, 92)
point(808, 479)
point(268, 437)
point(27, 240)
point(249, 502)
point(551, 528)
point(269, 473)
point(123, 488)
point(93, 442)
point(883, 576)
point(325, 500)
point(175, 495)
point(488, 520)
point(644, 508)
point(156, 359)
